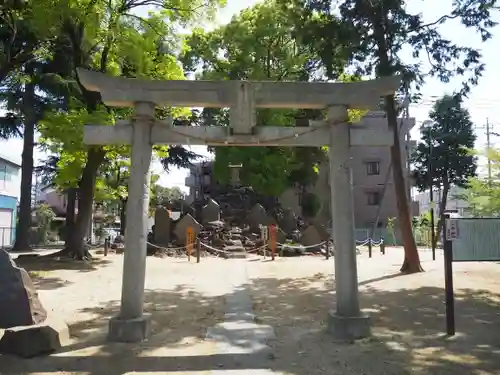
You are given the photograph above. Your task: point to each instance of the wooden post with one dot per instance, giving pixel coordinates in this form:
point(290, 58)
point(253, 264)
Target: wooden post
point(264, 235)
point(272, 240)
point(106, 244)
point(189, 241)
point(198, 250)
point(369, 247)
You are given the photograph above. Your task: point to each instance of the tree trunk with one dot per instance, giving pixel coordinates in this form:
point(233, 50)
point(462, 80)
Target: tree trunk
point(123, 216)
point(385, 67)
point(22, 242)
point(76, 238)
point(71, 194)
point(411, 262)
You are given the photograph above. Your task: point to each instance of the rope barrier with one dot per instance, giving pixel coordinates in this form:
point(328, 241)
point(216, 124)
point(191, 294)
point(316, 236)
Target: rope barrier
point(218, 251)
point(300, 247)
point(167, 248)
point(282, 246)
point(369, 240)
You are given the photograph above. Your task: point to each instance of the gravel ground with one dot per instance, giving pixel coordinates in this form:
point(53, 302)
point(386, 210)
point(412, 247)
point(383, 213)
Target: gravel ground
point(291, 294)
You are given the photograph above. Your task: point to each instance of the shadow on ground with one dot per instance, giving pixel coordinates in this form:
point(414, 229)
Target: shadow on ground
point(407, 338)
point(409, 327)
point(43, 281)
point(36, 263)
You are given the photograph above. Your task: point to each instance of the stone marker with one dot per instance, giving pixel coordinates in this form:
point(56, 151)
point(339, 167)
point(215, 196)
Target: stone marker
point(257, 216)
point(33, 340)
point(322, 231)
point(289, 221)
point(181, 228)
point(210, 212)
point(19, 302)
point(162, 226)
point(310, 236)
point(280, 235)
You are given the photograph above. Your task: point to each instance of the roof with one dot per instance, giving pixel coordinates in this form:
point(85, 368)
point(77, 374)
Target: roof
point(10, 160)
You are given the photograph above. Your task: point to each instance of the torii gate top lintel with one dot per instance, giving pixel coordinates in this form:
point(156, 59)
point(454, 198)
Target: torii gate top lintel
point(125, 92)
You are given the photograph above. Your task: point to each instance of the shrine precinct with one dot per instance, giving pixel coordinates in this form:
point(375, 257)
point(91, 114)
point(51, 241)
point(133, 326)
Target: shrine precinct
point(346, 322)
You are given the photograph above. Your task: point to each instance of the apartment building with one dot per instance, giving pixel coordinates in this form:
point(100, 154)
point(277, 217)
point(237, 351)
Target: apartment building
point(9, 194)
point(373, 187)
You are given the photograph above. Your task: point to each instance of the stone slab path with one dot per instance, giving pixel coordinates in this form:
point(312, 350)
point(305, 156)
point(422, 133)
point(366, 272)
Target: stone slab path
point(239, 340)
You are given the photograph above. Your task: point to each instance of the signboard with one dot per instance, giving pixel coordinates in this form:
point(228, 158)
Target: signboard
point(264, 233)
point(452, 231)
point(189, 241)
point(273, 231)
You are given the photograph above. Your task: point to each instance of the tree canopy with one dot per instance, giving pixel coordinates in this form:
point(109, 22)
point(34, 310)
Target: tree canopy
point(371, 36)
point(257, 45)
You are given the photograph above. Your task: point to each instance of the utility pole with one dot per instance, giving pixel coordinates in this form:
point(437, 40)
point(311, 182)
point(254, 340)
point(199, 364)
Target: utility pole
point(488, 149)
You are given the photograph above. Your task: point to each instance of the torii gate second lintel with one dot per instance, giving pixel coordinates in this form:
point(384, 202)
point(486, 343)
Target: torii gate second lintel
point(347, 322)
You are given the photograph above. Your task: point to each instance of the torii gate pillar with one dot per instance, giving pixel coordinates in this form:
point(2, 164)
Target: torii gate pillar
point(347, 322)
point(132, 325)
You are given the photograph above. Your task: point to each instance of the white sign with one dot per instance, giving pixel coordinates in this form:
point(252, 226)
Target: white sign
point(264, 233)
point(452, 232)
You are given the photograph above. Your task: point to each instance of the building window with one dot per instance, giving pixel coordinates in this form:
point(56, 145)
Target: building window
point(372, 168)
point(373, 198)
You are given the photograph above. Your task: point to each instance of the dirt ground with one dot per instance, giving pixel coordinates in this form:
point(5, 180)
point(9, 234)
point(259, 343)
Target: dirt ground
point(293, 295)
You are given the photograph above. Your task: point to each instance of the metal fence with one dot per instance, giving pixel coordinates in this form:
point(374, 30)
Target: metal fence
point(478, 240)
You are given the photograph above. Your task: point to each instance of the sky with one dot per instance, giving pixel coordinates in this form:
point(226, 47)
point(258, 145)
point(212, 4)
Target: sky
point(482, 102)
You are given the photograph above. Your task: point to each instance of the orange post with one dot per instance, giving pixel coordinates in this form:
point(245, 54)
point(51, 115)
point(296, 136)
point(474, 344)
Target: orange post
point(189, 241)
point(273, 230)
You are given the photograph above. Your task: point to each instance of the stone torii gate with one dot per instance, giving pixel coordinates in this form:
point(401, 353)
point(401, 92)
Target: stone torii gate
point(242, 97)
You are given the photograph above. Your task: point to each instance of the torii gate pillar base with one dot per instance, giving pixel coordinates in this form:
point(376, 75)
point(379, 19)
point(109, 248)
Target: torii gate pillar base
point(349, 328)
point(129, 330)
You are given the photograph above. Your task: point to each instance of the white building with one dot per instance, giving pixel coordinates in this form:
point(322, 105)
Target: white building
point(453, 203)
point(9, 193)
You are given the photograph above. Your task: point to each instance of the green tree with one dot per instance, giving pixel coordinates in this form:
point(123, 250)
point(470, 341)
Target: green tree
point(27, 27)
point(44, 216)
point(483, 194)
point(443, 157)
point(372, 34)
point(109, 37)
point(257, 45)
point(27, 30)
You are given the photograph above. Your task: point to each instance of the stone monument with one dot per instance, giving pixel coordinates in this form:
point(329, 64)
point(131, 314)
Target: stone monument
point(28, 331)
point(162, 226)
point(19, 301)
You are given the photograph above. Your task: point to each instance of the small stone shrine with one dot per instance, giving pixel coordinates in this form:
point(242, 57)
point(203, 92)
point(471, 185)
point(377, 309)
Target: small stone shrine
point(181, 228)
point(210, 212)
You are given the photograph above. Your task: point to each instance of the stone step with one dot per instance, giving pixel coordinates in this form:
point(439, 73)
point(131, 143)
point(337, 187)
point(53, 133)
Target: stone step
point(235, 255)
